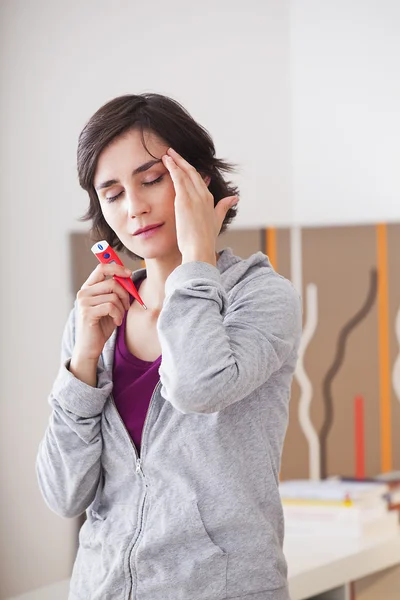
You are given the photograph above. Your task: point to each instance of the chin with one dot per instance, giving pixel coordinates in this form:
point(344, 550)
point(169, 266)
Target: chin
point(156, 255)
point(156, 251)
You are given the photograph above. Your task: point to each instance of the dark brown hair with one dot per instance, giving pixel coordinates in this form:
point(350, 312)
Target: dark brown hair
point(166, 118)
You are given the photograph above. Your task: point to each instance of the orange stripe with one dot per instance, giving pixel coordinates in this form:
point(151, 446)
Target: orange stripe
point(270, 246)
point(383, 345)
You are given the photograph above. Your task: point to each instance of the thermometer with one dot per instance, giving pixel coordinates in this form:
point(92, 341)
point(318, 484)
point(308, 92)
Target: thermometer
point(105, 254)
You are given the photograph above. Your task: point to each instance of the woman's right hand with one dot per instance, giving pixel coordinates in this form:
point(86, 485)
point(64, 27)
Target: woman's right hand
point(101, 306)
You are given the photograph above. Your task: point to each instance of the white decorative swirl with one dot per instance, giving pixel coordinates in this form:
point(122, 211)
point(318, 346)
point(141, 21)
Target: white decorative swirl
point(396, 366)
point(296, 259)
point(314, 454)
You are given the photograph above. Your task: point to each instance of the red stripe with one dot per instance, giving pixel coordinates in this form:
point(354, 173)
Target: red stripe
point(352, 591)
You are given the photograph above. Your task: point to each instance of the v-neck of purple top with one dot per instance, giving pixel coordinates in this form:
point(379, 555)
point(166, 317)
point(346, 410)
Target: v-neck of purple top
point(134, 381)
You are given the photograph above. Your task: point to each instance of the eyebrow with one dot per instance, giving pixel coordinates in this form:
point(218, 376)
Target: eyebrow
point(145, 167)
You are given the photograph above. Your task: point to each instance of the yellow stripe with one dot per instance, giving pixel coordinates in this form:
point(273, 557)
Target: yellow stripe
point(383, 346)
point(270, 247)
point(306, 502)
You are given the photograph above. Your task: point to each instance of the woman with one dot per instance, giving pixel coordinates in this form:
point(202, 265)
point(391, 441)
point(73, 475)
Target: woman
point(168, 424)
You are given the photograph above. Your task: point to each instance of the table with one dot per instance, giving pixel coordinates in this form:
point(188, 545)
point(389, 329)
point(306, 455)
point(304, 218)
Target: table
point(319, 568)
point(324, 567)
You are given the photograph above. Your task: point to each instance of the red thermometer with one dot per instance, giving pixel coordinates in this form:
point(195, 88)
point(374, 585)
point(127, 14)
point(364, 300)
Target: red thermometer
point(105, 254)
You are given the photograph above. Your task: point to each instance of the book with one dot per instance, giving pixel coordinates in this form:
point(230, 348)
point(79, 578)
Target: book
point(332, 491)
point(392, 480)
point(339, 514)
point(385, 525)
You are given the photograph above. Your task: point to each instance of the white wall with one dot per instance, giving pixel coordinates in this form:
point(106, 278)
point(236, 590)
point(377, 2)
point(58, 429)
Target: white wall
point(306, 101)
point(345, 65)
point(228, 63)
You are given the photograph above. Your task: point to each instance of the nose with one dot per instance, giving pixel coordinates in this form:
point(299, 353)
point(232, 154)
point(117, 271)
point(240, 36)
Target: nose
point(136, 204)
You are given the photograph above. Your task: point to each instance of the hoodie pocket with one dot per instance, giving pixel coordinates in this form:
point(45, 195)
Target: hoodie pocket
point(176, 558)
point(98, 571)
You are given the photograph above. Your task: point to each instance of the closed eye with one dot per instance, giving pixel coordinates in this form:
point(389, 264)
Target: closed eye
point(113, 198)
point(154, 181)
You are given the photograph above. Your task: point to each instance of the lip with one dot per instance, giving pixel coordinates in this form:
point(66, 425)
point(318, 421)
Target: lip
point(149, 230)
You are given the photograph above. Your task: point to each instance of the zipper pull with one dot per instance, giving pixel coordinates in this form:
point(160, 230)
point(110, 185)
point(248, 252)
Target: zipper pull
point(139, 466)
point(139, 470)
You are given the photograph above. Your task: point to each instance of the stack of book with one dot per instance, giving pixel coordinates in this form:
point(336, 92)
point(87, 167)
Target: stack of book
point(392, 480)
point(337, 508)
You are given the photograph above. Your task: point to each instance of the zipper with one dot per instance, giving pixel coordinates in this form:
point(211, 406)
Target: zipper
point(133, 580)
point(138, 464)
point(138, 469)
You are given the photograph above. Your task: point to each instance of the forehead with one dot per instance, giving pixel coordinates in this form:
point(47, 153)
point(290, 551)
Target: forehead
point(128, 152)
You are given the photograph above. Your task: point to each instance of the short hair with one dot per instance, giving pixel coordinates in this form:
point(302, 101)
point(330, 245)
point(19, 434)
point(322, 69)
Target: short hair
point(165, 117)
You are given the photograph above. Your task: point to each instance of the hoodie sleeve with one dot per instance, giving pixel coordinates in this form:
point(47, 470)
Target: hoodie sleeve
point(215, 350)
point(68, 460)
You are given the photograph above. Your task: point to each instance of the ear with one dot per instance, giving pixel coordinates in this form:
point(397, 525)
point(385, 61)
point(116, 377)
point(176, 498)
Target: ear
point(206, 179)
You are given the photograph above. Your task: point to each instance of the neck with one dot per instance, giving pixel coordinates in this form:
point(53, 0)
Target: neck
point(152, 289)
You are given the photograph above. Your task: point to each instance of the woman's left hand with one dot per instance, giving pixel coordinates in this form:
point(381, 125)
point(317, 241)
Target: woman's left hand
point(198, 223)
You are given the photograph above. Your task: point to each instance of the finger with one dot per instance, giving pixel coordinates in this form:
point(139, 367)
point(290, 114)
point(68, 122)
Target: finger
point(222, 208)
point(94, 307)
point(179, 178)
point(107, 286)
point(195, 177)
point(107, 309)
point(106, 299)
point(102, 271)
point(111, 286)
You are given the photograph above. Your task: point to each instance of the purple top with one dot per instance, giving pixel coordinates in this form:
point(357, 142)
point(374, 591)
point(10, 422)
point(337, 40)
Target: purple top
point(134, 381)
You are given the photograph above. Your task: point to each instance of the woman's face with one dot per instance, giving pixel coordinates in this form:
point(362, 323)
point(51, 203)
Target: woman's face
point(136, 191)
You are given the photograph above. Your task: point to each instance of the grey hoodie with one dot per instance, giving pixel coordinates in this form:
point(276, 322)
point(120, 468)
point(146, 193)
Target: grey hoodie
point(198, 516)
